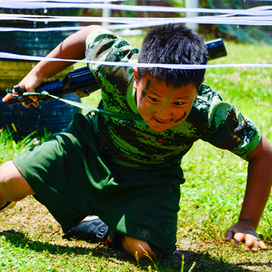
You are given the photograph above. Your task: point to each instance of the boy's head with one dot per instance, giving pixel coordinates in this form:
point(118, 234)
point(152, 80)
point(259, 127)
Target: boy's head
point(165, 97)
point(173, 44)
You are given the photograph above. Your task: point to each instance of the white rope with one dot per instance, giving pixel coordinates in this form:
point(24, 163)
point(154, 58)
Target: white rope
point(15, 4)
point(5, 55)
point(254, 16)
point(250, 18)
point(81, 1)
point(125, 23)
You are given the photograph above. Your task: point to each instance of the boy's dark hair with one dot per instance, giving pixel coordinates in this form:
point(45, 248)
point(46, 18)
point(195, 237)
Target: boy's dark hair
point(173, 44)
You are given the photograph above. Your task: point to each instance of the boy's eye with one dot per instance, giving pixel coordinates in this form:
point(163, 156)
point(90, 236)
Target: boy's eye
point(179, 103)
point(153, 99)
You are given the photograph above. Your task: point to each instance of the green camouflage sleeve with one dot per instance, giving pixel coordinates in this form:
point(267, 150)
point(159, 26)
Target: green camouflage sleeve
point(228, 129)
point(103, 45)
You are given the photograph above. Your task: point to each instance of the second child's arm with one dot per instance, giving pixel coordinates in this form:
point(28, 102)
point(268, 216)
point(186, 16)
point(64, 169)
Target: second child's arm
point(72, 47)
point(258, 188)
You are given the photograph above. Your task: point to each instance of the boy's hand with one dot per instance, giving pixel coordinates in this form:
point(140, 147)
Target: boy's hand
point(29, 83)
point(244, 232)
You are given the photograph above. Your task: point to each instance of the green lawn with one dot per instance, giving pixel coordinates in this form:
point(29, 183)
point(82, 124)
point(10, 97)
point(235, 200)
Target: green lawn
point(30, 239)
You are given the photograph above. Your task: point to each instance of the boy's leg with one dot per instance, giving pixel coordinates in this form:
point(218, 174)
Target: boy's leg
point(137, 248)
point(13, 186)
point(93, 229)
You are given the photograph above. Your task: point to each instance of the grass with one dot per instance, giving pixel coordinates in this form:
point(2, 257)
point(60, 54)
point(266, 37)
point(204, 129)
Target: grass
point(30, 238)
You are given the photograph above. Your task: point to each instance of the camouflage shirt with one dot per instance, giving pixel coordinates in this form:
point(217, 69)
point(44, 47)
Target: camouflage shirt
point(130, 142)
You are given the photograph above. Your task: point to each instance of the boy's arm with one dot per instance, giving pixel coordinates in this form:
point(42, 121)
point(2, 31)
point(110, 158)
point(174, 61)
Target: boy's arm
point(73, 47)
point(259, 183)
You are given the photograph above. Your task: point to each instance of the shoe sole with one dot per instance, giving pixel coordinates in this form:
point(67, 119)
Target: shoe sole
point(89, 218)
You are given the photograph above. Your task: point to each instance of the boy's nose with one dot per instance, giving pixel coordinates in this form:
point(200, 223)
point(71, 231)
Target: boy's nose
point(163, 113)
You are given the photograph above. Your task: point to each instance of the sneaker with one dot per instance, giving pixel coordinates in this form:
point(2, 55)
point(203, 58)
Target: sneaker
point(91, 229)
point(7, 205)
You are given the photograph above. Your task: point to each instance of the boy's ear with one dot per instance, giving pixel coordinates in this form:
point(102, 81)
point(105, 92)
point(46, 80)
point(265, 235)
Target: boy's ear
point(200, 84)
point(135, 71)
point(195, 96)
point(199, 87)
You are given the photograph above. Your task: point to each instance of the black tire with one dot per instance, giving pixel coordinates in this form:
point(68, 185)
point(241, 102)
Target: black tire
point(33, 43)
point(47, 12)
point(52, 116)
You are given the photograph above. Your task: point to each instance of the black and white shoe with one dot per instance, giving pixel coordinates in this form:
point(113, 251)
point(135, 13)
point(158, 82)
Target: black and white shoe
point(90, 229)
point(8, 205)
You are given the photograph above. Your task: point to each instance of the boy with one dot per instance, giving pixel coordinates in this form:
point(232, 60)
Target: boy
point(127, 169)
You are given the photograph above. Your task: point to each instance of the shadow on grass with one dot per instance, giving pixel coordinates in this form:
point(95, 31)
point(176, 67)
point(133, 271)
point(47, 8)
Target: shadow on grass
point(196, 261)
point(18, 239)
point(202, 261)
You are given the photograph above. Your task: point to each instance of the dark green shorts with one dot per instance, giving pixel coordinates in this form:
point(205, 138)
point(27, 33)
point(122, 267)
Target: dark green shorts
point(72, 179)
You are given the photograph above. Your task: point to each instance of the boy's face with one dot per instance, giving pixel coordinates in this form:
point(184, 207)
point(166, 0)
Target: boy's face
point(160, 106)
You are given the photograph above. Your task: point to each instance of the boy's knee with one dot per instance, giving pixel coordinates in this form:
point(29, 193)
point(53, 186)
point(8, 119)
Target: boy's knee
point(137, 248)
point(13, 186)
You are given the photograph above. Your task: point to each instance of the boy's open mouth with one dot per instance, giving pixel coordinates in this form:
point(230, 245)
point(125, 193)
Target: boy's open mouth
point(162, 122)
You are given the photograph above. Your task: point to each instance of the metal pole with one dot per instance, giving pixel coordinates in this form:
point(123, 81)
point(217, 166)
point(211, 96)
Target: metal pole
point(106, 13)
point(192, 4)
